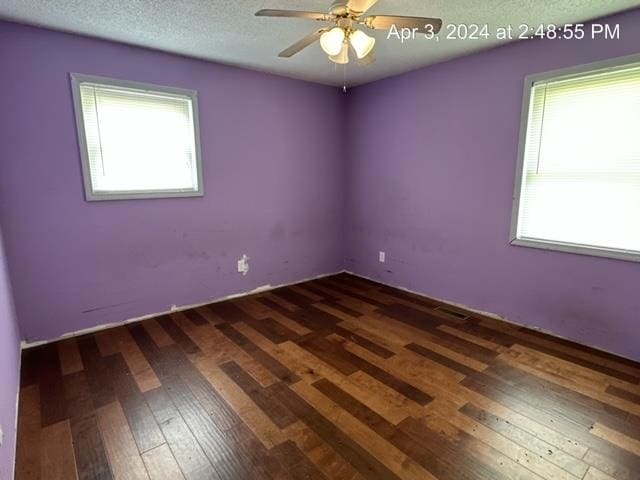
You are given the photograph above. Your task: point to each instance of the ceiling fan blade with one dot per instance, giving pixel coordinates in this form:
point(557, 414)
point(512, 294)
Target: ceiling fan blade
point(302, 44)
point(360, 6)
point(293, 14)
point(384, 22)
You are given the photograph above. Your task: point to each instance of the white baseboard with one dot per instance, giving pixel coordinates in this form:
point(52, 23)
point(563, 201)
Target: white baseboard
point(15, 425)
point(263, 288)
point(268, 287)
point(429, 297)
point(491, 315)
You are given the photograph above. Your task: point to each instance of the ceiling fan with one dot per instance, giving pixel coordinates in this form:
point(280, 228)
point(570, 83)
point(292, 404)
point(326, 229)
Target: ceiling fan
point(346, 16)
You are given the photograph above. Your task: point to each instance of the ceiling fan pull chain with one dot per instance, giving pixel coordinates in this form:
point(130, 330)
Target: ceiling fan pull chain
point(344, 78)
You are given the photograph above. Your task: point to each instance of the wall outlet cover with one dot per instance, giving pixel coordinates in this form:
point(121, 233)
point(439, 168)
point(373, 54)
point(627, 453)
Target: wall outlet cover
point(381, 256)
point(243, 264)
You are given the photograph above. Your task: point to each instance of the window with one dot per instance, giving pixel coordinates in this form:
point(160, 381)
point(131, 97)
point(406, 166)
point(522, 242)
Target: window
point(578, 180)
point(137, 140)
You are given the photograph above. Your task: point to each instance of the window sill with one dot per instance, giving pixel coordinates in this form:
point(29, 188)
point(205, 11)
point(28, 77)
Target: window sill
point(97, 196)
point(626, 255)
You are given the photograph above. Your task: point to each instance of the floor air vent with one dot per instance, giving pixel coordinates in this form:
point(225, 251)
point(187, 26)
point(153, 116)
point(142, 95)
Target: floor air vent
point(459, 315)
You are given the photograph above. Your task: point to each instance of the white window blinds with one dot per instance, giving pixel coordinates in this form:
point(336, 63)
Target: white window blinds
point(138, 141)
point(580, 180)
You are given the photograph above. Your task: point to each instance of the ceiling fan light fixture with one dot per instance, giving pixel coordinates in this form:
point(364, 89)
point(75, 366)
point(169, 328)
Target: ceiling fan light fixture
point(361, 43)
point(332, 41)
point(342, 57)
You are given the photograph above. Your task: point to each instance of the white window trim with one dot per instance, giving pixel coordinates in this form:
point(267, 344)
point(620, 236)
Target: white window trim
point(90, 195)
point(529, 80)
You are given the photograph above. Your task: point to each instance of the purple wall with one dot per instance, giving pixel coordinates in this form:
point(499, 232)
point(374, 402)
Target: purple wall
point(273, 188)
point(9, 366)
point(431, 176)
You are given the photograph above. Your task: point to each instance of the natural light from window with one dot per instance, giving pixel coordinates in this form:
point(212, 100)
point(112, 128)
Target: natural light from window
point(138, 141)
point(580, 182)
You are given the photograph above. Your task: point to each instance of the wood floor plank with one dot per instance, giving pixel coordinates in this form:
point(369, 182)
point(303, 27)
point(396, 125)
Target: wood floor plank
point(624, 394)
point(587, 382)
point(177, 335)
point(322, 295)
point(359, 457)
point(532, 443)
point(582, 408)
point(522, 455)
point(339, 378)
point(70, 360)
point(160, 337)
point(214, 344)
point(602, 455)
point(302, 363)
point(552, 347)
point(139, 367)
point(195, 316)
point(457, 466)
point(463, 332)
point(441, 359)
point(144, 428)
point(279, 300)
point(184, 446)
point(630, 444)
point(310, 293)
point(354, 292)
point(260, 423)
point(291, 296)
point(279, 370)
point(594, 474)
point(97, 371)
point(57, 457)
point(53, 409)
point(447, 428)
point(578, 350)
point(229, 312)
point(203, 410)
point(321, 454)
point(273, 330)
point(363, 341)
point(330, 354)
point(489, 451)
point(161, 465)
point(28, 448)
point(289, 323)
point(611, 464)
point(298, 465)
point(278, 414)
point(414, 384)
point(123, 454)
point(377, 337)
point(31, 365)
point(395, 460)
point(107, 344)
point(90, 454)
point(337, 310)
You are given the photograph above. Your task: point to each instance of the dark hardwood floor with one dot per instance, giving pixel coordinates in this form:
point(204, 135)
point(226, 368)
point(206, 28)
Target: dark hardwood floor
point(337, 378)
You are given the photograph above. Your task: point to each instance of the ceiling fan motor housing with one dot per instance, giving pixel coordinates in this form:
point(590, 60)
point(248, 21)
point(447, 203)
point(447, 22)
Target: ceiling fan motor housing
point(339, 9)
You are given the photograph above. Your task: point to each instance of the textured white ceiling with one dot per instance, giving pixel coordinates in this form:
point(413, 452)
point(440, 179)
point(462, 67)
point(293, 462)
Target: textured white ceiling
point(226, 31)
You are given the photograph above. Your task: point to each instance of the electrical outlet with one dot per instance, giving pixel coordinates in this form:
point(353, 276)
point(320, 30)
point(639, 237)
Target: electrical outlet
point(381, 256)
point(1, 436)
point(243, 264)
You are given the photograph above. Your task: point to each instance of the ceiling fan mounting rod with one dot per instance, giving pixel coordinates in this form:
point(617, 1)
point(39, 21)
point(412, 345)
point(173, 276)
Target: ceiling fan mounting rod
point(347, 16)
